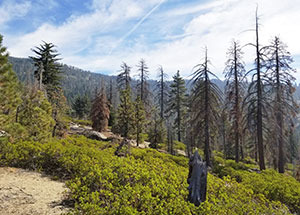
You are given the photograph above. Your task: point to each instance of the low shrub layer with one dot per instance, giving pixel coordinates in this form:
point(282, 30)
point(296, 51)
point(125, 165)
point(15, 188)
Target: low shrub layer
point(273, 185)
point(146, 182)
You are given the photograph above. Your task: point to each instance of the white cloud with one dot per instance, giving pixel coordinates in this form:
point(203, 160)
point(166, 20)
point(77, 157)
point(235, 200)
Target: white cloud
point(213, 24)
point(217, 26)
point(78, 32)
point(10, 10)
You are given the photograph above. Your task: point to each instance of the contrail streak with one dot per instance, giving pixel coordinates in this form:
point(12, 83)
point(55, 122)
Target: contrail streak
point(135, 27)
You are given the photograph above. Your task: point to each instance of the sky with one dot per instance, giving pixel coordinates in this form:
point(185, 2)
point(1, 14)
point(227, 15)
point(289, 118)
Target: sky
point(98, 35)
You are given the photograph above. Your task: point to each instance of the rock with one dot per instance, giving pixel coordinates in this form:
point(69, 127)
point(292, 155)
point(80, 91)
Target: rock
point(4, 134)
point(254, 170)
point(181, 152)
point(94, 135)
point(76, 129)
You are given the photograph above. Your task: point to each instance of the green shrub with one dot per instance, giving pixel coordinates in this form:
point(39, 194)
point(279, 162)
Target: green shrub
point(273, 185)
point(146, 182)
point(179, 145)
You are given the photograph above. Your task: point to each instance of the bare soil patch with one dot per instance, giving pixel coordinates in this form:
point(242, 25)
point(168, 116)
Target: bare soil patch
point(30, 193)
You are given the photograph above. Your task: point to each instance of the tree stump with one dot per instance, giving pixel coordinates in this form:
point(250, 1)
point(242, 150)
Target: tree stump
point(197, 179)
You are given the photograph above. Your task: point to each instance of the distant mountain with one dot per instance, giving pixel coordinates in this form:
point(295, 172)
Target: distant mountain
point(75, 81)
point(78, 82)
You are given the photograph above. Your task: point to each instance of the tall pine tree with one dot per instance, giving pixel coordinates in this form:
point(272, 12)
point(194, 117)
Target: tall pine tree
point(139, 119)
point(125, 115)
point(234, 91)
point(280, 72)
point(125, 112)
point(35, 114)
point(9, 89)
point(162, 89)
point(257, 100)
point(206, 97)
point(48, 73)
point(177, 103)
point(143, 86)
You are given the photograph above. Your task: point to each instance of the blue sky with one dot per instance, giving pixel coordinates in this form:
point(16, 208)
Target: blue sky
point(98, 35)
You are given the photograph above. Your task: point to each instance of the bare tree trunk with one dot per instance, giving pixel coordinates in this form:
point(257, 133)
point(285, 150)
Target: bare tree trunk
point(255, 150)
point(41, 70)
point(137, 136)
point(259, 105)
point(172, 144)
point(155, 132)
point(55, 126)
point(206, 119)
point(237, 108)
point(17, 113)
point(142, 82)
point(162, 94)
point(178, 114)
point(281, 157)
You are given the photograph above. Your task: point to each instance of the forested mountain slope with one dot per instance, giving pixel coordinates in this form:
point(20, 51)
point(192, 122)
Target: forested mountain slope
point(77, 81)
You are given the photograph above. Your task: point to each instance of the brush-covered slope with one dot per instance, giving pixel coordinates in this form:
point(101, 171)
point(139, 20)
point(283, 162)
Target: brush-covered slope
point(144, 182)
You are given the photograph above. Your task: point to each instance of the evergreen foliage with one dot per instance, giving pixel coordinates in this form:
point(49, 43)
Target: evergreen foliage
point(125, 115)
point(177, 103)
point(9, 89)
point(35, 114)
point(157, 130)
point(139, 120)
point(81, 106)
point(46, 62)
point(48, 74)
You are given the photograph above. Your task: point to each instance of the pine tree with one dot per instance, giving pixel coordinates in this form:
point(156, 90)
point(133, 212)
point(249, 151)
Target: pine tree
point(143, 86)
point(256, 100)
point(112, 104)
point(177, 102)
point(157, 130)
point(35, 113)
point(59, 108)
point(279, 71)
point(234, 91)
point(9, 89)
point(162, 92)
point(140, 119)
point(206, 98)
point(170, 140)
point(125, 114)
point(100, 112)
point(48, 71)
point(81, 106)
point(124, 78)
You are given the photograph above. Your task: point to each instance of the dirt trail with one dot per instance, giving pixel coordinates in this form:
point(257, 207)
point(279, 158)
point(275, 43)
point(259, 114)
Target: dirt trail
point(30, 193)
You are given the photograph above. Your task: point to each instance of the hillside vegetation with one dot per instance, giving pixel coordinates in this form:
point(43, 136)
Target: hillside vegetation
point(149, 182)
